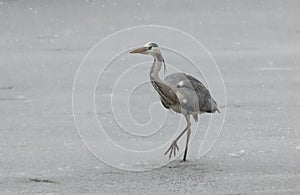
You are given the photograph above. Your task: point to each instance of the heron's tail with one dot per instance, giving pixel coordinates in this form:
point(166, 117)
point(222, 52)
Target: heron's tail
point(214, 106)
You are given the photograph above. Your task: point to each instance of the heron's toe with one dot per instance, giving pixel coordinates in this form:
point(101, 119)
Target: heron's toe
point(172, 149)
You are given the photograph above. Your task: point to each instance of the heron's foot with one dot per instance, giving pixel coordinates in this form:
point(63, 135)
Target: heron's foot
point(172, 149)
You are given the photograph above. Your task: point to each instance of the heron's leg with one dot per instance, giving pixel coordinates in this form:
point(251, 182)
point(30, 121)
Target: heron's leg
point(188, 133)
point(172, 149)
point(174, 146)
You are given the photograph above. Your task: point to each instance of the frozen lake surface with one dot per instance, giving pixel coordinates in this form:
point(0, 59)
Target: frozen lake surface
point(255, 43)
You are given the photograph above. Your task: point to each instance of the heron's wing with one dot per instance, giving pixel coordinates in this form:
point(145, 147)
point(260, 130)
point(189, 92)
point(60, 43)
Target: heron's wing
point(175, 78)
point(192, 88)
point(167, 95)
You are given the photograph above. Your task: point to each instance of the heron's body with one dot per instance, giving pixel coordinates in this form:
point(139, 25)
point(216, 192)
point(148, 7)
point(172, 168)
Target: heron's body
point(194, 96)
point(179, 92)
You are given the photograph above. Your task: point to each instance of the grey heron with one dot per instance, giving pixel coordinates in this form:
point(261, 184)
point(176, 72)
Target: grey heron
point(179, 92)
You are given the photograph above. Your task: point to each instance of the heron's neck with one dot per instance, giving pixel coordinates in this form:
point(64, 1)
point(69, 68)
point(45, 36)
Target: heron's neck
point(156, 67)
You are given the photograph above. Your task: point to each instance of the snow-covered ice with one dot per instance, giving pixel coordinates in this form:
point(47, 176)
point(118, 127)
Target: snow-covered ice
point(237, 154)
point(256, 45)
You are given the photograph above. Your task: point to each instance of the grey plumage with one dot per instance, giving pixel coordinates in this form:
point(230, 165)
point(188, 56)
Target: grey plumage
point(192, 87)
point(179, 92)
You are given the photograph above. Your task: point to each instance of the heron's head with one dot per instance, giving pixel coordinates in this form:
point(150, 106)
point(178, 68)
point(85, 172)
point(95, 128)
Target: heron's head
point(148, 49)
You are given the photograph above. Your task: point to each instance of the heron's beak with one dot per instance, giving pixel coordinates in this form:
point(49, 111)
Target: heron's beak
point(139, 50)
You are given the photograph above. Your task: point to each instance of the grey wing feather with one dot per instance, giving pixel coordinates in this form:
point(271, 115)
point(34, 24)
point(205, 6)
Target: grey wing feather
point(191, 86)
point(167, 95)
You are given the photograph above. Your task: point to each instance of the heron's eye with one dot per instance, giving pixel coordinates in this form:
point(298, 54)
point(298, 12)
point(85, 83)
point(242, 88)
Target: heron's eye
point(149, 48)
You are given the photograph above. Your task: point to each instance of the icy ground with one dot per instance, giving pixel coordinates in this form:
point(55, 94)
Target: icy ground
point(255, 43)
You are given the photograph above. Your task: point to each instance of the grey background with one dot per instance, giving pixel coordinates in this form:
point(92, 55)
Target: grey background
point(255, 43)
